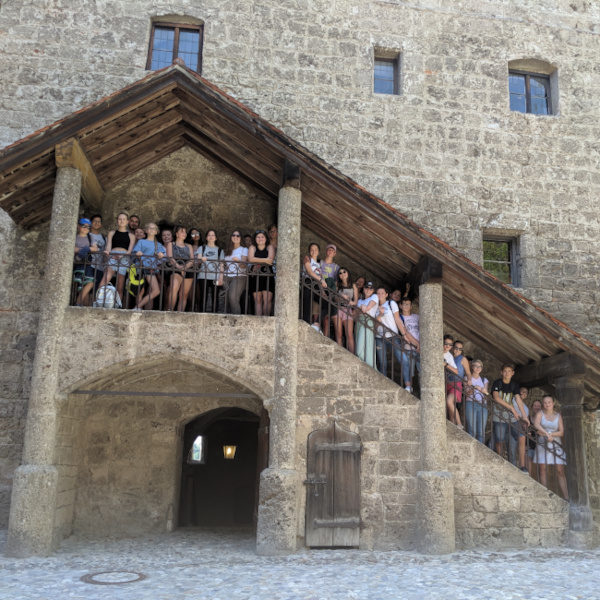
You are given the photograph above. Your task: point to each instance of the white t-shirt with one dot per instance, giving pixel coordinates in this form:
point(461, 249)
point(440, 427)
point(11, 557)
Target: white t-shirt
point(315, 265)
point(209, 269)
point(366, 301)
point(236, 268)
point(478, 396)
point(449, 359)
point(387, 319)
point(411, 324)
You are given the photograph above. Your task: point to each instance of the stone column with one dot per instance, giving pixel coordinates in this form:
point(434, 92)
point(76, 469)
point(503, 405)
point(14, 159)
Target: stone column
point(278, 496)
point(569, 394)
point(435, 488)
point(34, 493)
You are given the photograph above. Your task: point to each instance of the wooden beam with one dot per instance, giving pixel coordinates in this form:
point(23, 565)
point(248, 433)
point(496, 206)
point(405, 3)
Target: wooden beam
point(70, 154)
point(547, 369)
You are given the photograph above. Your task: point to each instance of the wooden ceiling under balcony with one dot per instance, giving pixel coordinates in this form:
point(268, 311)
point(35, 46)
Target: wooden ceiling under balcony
point(175, 107)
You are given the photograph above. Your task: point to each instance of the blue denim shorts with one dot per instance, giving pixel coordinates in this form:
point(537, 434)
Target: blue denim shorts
point(118, 264)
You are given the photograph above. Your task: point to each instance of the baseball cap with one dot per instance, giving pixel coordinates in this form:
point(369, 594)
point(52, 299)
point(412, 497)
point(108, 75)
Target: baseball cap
point(369, 284)
point(331, 246)
point(84, 221)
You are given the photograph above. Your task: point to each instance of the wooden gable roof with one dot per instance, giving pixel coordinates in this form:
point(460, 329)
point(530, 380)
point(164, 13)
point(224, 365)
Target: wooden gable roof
point(175, 107)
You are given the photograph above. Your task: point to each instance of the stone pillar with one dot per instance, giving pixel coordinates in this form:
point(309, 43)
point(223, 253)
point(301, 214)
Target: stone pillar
point(569, 394)
point(435, 488)
point(34, 493)
point(278, 497)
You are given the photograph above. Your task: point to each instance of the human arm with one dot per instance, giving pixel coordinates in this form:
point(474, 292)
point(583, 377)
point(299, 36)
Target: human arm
point(524, 416)
point(109, 239)
point(311, 273)
point(465, 364)
point(370, 306)
point(506, 405)
point(131, 243)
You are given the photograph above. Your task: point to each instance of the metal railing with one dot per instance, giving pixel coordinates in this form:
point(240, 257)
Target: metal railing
point(373, 342)
point(151, 283)
point(495, 426)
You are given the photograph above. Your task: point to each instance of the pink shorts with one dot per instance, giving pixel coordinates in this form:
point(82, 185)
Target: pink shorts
point(344, 314)
point(455, 387)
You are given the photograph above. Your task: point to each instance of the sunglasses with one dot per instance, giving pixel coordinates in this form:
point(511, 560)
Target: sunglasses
point(235, 235)
point(445, 344)
point(458, 347)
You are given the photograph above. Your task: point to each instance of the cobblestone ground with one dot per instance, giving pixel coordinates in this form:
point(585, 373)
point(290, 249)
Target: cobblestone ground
point(223, 566)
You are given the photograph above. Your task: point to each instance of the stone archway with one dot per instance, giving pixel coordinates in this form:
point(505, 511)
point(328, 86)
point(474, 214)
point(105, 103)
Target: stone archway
point(128, 445)
point(224, 452)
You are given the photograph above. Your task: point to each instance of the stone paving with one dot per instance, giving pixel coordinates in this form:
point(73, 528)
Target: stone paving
point(217, 565)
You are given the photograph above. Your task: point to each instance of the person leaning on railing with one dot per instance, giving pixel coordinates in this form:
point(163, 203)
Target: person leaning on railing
point(456, 380)
point(236, 257)
point(365, 324)
point(261, 255)
point(210, 272)
point(476, 410)
point(411, 356)
point(151, 253)
point(388, 314)
point(507, 415)
point(549, 451)
point(344, 319)
point(450, 369)
point(536, 406)
point(312, 276)
point(120, 241)
point(181, 260)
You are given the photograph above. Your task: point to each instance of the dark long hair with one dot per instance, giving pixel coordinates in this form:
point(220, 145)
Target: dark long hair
point(340, 285)
point(229, 245)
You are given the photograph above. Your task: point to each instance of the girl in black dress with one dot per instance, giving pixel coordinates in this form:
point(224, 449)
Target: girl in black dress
point(261, 256)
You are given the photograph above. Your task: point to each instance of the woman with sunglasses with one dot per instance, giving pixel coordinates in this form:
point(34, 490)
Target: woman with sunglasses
point(365, 324)
point(312, 281)
point(181, 259)
point(236, 257)
point(344, 319)
point(261, 285)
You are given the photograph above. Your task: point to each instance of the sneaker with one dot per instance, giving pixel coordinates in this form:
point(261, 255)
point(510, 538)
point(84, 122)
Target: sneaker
point(524, 469)
point(316, 327)
point(137, 308)
point(408, 389)
point(461, 426)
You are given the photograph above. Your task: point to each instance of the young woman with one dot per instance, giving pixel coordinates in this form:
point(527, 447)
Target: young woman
point(150, 253)
point(360, 284)
point(549, 450)
point(210, 274)
point(120, 241)
point(312, 276)
point(365, 325)
point(181, 258)
point(344, 320)
point(194, 238)
point(455, 382)
point(273, 239)
point(476, 408)
point(261, 256)
point(236, 257)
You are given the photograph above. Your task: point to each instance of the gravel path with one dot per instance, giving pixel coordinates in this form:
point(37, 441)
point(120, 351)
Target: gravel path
point(223, 566)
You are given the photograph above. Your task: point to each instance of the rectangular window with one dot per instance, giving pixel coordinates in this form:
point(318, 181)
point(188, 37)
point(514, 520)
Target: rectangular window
point(529, 92)
point(500, 258)
point(386, 75)
point(170, 41)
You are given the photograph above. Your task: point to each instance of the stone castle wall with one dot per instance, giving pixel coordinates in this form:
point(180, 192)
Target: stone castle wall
point(448, 151)
point(121, 456)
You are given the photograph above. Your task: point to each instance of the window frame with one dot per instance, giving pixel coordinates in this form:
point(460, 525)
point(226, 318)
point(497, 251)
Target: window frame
point(394, 60)
point(177, 28)
point(547, 85)
point(514, 261)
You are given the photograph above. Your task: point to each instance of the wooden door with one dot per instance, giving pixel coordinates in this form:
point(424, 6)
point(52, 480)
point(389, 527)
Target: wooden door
point(333, 488)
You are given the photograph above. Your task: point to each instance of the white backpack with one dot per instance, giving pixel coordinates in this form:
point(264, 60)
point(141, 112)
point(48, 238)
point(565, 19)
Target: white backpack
point(107, 297)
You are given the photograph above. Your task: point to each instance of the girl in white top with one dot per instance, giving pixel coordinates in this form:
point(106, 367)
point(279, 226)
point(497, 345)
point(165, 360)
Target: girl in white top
point(236, 257)
point(365, 326)
point(313, 279)
point(549, 450)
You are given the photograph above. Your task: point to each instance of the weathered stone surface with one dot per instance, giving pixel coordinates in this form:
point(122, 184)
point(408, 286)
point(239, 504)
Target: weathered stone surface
point(435, 512)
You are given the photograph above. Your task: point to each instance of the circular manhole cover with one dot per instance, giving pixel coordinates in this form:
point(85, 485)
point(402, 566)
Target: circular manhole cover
point(113, 577)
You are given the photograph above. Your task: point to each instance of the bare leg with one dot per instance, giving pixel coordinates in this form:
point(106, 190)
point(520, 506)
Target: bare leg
point(543, 479)
point(350, 334)
point(522, 451)
point(338, 327)
point(184, 291)
point(120, 287)
point(562, 481)
point(174, 290)
point(268, 302)
point(257, 303)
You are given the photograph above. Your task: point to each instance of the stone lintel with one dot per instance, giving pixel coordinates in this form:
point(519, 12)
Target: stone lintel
point(70, 154)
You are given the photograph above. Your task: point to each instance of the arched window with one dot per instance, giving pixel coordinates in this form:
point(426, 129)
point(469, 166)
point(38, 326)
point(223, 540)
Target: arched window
point(533, 87)
point(174, 37)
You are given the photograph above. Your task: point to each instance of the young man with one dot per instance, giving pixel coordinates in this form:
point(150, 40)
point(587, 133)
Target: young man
point(411, 357)
point(506, 415)
point(134, 223)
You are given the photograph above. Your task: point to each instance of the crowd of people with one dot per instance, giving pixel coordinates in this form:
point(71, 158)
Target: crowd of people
point(530, 436)
point(175, 264)
point(376, 324)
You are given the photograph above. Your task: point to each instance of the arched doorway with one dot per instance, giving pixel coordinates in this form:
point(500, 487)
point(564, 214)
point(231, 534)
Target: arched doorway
point(224, 451)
